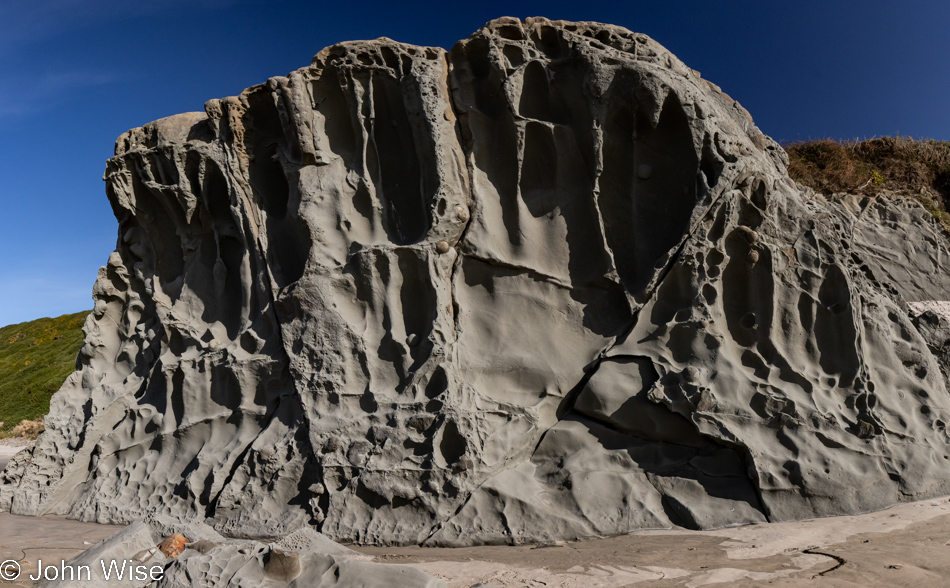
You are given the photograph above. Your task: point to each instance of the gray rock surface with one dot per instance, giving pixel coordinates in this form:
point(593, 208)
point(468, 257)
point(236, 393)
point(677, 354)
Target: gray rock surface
point(303, 559)
point(550, 284)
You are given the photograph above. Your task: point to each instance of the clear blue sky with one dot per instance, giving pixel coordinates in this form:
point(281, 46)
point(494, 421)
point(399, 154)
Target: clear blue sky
point(74, 74)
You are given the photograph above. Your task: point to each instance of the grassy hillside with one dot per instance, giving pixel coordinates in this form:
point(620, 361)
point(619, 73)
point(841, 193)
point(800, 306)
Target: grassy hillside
point(35, 358)
point(919, 169)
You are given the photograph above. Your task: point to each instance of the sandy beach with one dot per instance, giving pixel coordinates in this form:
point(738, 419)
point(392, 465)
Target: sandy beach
point(903, 546)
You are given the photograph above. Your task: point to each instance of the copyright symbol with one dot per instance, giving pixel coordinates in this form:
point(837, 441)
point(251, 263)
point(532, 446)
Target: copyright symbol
point(9, 570)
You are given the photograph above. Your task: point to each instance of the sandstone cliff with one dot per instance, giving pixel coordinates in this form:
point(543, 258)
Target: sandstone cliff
point(549, 284)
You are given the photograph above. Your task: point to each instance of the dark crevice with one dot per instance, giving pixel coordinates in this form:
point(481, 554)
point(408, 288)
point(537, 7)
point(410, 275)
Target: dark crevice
point(838, 559)
point(518, 269)
point(567, 403)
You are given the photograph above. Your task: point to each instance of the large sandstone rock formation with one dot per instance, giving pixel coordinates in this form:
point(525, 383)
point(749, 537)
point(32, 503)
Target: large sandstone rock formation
point(548, 285)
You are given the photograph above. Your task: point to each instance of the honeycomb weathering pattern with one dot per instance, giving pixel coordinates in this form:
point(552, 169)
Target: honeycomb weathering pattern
point(547, 285)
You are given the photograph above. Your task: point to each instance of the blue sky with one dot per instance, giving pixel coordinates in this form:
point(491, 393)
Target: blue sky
point(74, 74)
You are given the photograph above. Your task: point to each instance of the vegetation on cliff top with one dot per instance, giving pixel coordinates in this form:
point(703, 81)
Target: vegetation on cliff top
point(35, 358)
point(915, 168)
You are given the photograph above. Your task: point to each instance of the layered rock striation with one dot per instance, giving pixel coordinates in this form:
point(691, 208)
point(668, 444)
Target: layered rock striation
point(550, 284)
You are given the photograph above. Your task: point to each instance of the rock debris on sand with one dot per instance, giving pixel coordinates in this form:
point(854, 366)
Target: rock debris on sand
point(304, 558)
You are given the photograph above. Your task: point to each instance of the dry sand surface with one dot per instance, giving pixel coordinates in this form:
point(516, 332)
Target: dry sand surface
point(907, 545)
point(904, 546)
point(50, 538)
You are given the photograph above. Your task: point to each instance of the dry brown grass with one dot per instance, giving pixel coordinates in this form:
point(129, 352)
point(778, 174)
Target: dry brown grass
point(911, 167)
point(29, 429)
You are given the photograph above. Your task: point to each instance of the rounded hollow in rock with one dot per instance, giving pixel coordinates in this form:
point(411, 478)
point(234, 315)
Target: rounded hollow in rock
point(282, 565)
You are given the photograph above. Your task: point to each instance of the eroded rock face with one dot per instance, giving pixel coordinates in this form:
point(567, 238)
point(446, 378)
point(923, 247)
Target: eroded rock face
point(548, 285)
point(303, 558)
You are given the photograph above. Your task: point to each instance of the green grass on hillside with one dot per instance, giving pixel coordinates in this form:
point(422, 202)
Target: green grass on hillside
point(35, 359)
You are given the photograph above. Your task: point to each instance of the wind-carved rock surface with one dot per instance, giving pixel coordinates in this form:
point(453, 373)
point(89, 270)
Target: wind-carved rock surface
point(550, 284)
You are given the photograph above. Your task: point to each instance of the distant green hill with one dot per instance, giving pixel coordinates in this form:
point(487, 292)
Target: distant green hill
point(35, 358)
